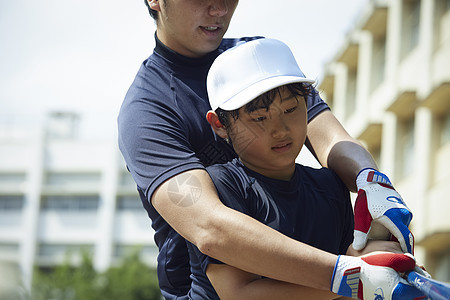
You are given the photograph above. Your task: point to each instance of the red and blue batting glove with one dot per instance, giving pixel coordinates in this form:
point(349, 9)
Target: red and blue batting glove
point(374, 276)
point(380, 212)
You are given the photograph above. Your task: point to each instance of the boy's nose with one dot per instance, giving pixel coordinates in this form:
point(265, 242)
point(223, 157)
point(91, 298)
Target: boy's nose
point(280, 128)
point(218, 8)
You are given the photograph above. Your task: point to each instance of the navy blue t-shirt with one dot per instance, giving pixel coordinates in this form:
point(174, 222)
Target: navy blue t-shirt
point(163, 132)
point(313, 207)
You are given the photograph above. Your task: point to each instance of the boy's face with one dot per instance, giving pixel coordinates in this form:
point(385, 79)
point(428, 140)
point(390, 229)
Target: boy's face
point(193, 28)
point(268, 141)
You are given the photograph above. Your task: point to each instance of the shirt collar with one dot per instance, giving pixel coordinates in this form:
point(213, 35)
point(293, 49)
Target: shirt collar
point(181, 60)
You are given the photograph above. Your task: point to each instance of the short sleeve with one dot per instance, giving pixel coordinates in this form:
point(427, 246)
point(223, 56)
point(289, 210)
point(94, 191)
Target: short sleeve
point(315, 105)
point(232, 189)
point(153, 140)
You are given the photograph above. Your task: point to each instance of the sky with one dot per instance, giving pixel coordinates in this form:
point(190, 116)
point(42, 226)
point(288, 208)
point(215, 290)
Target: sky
point(82, 55)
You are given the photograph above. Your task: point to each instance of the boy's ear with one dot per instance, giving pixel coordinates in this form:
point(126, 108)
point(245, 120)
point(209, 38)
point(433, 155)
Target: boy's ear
point(154, 4)
point(217, 126)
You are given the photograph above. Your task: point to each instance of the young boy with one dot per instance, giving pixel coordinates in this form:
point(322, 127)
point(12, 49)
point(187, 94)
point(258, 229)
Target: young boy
point(257, 95)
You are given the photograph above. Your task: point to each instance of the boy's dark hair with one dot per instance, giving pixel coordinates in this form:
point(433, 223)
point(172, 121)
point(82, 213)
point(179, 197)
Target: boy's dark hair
point(264, 101)
point(153, 13)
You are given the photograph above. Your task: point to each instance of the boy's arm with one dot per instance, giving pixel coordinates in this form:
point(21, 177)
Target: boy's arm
point(232, 283)
point(239, 240)
point(337, 150)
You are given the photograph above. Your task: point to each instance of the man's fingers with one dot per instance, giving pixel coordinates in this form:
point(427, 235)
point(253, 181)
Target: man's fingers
point(363, 221)
point(392, 221)
point(359, 240)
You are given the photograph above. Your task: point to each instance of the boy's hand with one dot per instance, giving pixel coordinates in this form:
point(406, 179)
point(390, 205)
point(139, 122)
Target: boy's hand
point(376, 245)
point(374, 276)
point(380, 212)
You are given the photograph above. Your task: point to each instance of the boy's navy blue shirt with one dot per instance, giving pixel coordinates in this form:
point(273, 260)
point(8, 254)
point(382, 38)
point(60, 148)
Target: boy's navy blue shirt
point(313, 207)
point(163, 132)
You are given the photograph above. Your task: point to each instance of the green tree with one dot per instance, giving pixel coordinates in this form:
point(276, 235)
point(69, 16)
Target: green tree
point(67, 282)
point(131, 280)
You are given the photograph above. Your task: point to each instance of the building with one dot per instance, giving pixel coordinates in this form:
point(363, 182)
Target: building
point(389, 84)
point(60, 193)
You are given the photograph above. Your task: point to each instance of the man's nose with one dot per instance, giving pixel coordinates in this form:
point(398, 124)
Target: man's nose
point(218, 8)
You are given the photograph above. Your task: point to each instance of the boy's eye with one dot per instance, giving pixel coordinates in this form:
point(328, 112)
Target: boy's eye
point(259, 119)
point(290, 110)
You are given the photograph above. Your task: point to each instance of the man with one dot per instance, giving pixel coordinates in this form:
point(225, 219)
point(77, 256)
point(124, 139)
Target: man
point(167, 143)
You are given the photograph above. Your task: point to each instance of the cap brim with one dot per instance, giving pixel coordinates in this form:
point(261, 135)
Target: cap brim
point(250, 93)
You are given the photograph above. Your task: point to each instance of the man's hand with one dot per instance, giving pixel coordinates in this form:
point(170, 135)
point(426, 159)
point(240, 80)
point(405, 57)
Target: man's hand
point(380, 212)
point(374, 276)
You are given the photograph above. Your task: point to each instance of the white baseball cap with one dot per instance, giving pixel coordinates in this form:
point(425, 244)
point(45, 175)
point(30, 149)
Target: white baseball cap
point(250, 69)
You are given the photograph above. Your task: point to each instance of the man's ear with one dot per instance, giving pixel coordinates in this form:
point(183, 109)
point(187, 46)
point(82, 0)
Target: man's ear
point(154, 4)
point(217, 126)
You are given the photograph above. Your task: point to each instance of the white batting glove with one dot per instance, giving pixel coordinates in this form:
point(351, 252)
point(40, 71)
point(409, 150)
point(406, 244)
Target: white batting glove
point(374, 276)
point(380, 211)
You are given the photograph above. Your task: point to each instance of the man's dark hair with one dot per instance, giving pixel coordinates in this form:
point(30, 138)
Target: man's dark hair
point(153, 13)
point(264, 101)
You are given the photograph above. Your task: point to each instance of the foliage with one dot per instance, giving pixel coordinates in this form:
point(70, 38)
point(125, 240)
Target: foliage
point(131, 280)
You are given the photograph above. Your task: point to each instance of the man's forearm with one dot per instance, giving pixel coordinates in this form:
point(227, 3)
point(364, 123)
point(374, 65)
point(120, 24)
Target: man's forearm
point(336, 149)
point(240, 241)
point(347, 158)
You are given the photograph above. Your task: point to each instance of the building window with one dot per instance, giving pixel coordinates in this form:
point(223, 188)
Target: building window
point(71, 179)
point(125, 180)
point(378, 62)
point(129, 203)
point(376, 154)
point(445, 131)
point(148, 253)
point(443, 267)
point(9, 179)
point(441, 23)
point(81, 203)
point(411, 25)
point(406, 148)
point(62, 125)
point(350, 104)
point(7, 249)
point(52, 253)
point(10, 203)
point(9, 253)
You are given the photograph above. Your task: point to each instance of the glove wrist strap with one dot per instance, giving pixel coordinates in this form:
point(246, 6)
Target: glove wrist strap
point(345, 280)
point(369, 175)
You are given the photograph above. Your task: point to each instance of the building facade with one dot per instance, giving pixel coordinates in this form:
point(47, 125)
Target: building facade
point(389, 84)
point(60, 194)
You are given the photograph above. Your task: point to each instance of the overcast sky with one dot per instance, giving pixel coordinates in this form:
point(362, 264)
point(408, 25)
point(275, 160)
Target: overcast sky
point(82, 55)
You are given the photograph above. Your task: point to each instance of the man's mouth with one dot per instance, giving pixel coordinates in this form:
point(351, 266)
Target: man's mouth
point(210, 28)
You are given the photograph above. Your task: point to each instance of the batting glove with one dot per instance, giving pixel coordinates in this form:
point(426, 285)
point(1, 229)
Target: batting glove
point(380, 212)
point(374, 276)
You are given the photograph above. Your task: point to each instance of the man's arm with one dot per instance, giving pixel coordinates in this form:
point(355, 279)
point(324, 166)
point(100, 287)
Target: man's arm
point(231, 283)
point(237, 239)
point(377, 202)
point(244, 243)
point(336, 149)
